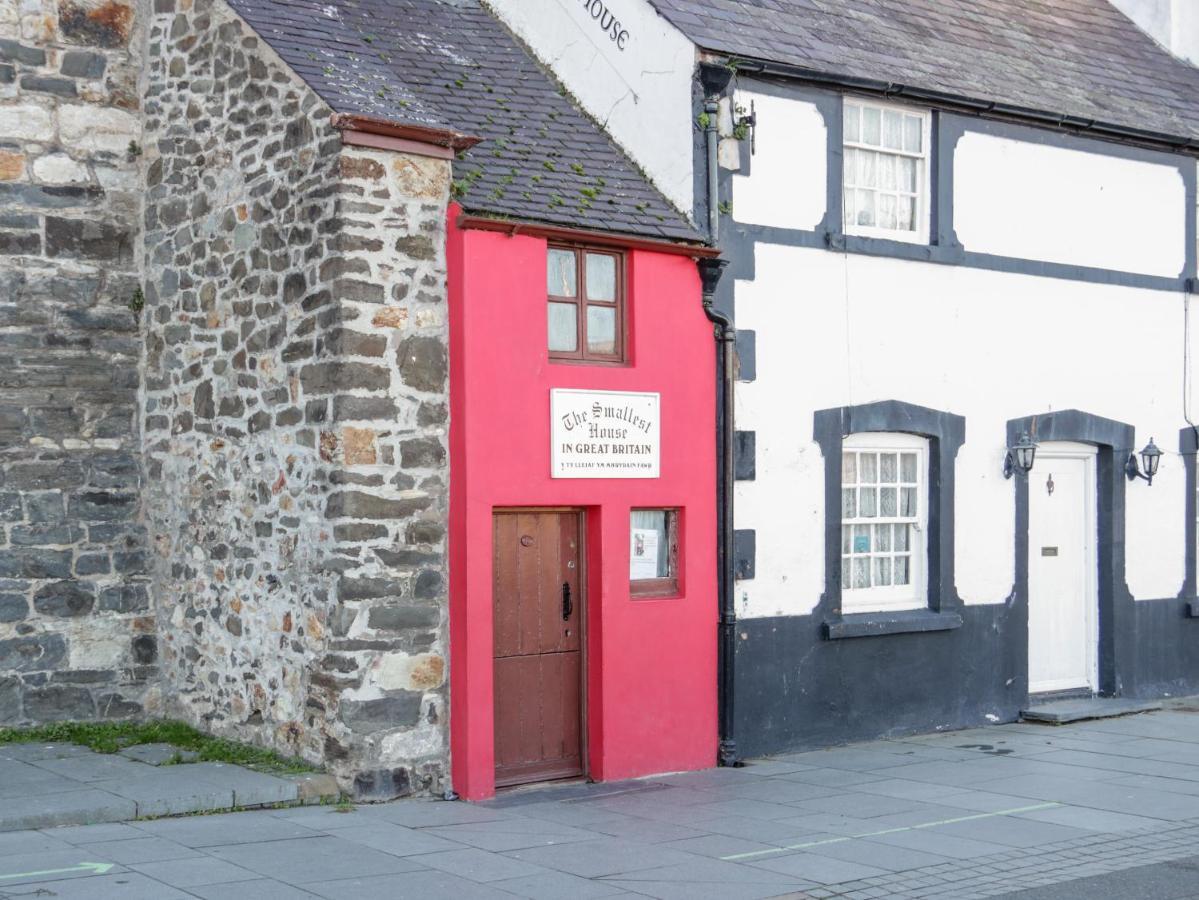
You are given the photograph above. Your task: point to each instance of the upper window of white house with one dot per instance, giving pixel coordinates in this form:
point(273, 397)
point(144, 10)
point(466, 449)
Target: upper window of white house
point(886, 171)
point(884, 501)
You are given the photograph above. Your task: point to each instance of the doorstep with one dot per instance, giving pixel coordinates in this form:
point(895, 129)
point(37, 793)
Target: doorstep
point(1061, 712)
point(44, 785)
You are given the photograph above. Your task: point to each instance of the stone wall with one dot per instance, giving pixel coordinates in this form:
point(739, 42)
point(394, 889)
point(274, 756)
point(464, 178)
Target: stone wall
point(295, 415)
point(76, 633)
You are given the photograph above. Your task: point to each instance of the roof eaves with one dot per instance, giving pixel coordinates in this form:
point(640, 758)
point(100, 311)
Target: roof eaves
point(424, 134)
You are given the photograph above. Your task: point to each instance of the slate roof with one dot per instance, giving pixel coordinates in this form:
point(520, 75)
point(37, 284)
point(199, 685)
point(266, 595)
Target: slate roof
point(451, 64)
point(1081, 58)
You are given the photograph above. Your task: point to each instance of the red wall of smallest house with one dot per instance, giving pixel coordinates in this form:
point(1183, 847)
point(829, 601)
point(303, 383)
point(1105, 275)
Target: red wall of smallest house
point(651, 664)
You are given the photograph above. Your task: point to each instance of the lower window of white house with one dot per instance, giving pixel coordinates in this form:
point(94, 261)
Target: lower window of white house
point(884, 503)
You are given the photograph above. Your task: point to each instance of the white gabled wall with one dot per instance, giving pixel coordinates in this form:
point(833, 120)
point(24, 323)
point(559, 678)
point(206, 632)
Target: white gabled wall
point(1172, 23)
point(638, 86)
point(836, 330)
point(1053, 204)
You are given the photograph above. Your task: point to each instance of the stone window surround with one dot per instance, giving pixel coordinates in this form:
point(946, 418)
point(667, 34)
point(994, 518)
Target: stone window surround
point(945, 433)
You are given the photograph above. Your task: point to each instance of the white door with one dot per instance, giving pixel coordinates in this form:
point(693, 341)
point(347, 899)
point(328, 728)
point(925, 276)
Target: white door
point(1063, 602)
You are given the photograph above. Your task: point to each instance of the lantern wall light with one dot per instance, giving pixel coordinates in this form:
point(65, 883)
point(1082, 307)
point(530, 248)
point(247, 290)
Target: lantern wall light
point(1020, 456)
point(1151, 458)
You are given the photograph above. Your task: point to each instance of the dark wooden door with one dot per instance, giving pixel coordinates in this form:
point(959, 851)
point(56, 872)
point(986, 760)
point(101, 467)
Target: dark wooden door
point(538, 655)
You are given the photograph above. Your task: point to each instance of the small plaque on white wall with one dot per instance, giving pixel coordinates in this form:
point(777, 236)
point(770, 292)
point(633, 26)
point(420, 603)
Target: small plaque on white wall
point(604, 434)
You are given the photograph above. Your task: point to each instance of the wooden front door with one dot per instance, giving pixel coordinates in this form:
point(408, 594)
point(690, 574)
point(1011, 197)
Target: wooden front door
point(538, 599)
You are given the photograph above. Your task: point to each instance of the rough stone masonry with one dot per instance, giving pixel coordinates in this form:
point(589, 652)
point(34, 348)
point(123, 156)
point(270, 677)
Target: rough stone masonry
point(77, 633)
point(266, 558)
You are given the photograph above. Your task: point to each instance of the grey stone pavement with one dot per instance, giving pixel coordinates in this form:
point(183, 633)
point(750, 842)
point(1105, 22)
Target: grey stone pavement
point(44, 785)
point(1098, 809)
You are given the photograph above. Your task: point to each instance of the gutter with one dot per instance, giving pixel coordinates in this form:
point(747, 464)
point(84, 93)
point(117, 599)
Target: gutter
point(985, 108)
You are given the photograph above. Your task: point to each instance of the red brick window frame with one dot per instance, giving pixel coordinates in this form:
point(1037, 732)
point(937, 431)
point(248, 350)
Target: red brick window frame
point(586, 304)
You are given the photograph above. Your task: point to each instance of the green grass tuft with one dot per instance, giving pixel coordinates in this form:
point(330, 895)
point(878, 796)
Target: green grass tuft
point(109, 737)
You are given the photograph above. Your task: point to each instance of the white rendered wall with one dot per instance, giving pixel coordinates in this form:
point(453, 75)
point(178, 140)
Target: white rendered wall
point(788, 187)
point(842, 329)
point(1172, 23)
point(1032, 201)
point(640, 92)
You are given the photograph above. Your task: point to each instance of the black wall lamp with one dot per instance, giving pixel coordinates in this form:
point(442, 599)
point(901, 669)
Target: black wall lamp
point(1020, 456)
point(1151, 457)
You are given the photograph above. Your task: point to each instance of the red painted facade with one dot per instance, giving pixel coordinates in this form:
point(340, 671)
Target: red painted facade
point(650, 685)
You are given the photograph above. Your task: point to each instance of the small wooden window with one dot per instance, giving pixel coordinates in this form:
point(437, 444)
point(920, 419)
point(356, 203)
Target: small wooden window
point(654, 552)
point(585, 290)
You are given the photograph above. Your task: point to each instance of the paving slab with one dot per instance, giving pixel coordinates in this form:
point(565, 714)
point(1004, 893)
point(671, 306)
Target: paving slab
point(1063, 712)
point(80, 807)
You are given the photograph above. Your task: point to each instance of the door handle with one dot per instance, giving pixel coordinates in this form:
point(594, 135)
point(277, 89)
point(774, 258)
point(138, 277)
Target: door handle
point(567, 607)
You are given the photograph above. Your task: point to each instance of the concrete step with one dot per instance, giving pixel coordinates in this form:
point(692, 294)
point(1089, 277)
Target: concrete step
point(1061, 712)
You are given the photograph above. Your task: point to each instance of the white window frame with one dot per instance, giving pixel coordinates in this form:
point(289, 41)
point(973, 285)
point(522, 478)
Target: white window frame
point(923, 168)
point(913, 595)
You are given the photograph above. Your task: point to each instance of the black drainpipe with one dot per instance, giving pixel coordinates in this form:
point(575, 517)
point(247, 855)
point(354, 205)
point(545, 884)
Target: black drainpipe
point(714, 79)
point(710, 271)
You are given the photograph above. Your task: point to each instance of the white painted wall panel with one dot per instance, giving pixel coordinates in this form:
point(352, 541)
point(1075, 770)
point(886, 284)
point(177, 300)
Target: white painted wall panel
point(1031, 201)
point(788, 187)
point(836, 329)
point(641, 93)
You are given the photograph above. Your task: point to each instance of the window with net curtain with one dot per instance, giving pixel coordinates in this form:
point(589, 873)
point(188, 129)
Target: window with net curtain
point(884, 502)
point(585, 304)
point(886, 171)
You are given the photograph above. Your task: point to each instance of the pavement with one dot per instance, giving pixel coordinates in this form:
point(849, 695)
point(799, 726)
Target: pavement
point(46, 785)
point(1101, 810)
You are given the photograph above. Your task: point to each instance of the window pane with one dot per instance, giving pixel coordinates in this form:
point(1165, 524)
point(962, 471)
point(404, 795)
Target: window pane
point(867, 169)
point(871, 126)
point(851, 166)
point(845, 573)
point(867, 466)
point(601, 329)
point(903, 574)
point(846, 539)
point(851, 207)
point(886, 172)
point(907, 174)
point(913, 134)
point(892, 129)
point(907, 502)
point(564, 332)
point(866, 208)
point(882, 537)
point(886, 468)
point(560, 275)
point(907, 467)
point(649, 549)
point(886, 502)
point(849, 504)
point(849, 468)
point(861, 571)
point(886, 211)
point(861, 539)
point(866, 503)
point(852, 117)
point(882, 570)
point(601, 277)
point(903, 537)
point(906, 214)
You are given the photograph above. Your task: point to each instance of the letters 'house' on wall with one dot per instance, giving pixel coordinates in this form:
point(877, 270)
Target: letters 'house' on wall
point(949, 225)
point(291, 292)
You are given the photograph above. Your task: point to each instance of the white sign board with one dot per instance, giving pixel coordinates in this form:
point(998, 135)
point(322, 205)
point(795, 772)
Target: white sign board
point(604, 434)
